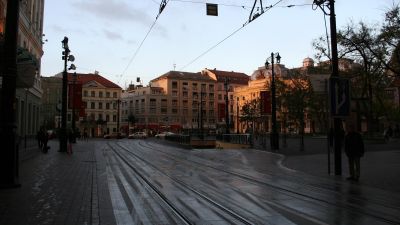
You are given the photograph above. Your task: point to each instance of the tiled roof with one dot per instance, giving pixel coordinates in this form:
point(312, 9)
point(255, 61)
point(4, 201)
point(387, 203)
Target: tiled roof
point(184, 76)
point(235, 77)
point(86, 78)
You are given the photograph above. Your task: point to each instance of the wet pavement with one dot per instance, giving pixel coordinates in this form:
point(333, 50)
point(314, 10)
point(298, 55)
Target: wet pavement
point(153, 182)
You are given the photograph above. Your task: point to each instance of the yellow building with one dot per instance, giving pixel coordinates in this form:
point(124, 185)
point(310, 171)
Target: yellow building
point(181, 101)
point(100, 98)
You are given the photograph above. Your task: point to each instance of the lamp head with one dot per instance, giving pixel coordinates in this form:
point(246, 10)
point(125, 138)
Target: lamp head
point(266, 64)
point(72, 67)
point(65, 43)
point(278, 58)
point(71, 58)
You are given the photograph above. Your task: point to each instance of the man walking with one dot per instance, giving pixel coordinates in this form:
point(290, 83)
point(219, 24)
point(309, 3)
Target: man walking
point(354, 148)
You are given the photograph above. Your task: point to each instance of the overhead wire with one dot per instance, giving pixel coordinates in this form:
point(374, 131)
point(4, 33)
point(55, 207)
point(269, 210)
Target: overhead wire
point(162, 7)
point(230, 35)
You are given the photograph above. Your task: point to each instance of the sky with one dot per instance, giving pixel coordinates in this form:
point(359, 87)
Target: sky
point(105, 35)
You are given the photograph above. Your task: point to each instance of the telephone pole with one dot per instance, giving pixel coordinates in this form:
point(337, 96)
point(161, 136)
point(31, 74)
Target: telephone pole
point(338, 138)
point(9, 151)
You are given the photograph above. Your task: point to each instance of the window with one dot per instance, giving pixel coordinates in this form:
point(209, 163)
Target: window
point(107, 94)
point(203, 87)
point(211, 88)
point(211, 105)
point(194, 86)
point(219, 97)
point(174, 85)
point(114, 118)
point(195, 95)
point(107, 118)
point(100, 116)
point(100, 105)
point(107, 105)
point(93, 94)
point(92, 105)
point(175, 103)
point(114, 94)
point(174, 111)
point(185, 103)
point(85, 94)
point(185, 94)
point(211, 95)
point(100, 94)
point(164, 103)
point(175, 93)
point(163, 110)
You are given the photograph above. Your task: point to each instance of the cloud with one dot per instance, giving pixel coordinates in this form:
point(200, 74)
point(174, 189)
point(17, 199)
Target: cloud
point(112, 35)
point(115, 10)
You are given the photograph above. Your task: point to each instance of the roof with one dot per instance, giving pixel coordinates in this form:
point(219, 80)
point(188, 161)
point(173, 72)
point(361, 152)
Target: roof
point(179, 75)
point(86, 78)
point(234, 77)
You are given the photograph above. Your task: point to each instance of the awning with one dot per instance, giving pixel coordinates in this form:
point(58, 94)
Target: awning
point(27, 67)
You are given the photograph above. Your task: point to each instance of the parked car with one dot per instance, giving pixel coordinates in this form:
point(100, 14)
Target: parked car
point(113, 135)
point(138, 135)
point(164, 134)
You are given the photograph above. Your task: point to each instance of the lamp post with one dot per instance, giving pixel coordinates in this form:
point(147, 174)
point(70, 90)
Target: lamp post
point(274, 132)
point(118, 116)
point(73, 106)
point(226, 84)
point(9, 153)
point(66, 57)
point(237, 115)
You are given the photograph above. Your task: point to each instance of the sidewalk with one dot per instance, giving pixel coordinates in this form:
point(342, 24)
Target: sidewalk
point(380, 166)
point(58, 188)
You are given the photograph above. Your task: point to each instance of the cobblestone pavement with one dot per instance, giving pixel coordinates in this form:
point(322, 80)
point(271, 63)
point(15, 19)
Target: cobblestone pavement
point(57, 188)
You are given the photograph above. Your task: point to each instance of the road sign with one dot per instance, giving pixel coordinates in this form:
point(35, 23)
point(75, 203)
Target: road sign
point(212, 9)
point(339, 90)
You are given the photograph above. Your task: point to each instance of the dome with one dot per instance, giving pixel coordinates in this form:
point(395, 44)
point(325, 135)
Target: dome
point(308, 62)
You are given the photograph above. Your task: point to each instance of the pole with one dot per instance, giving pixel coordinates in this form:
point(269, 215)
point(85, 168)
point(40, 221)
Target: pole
point(63, 130)
point(274, 132)
point(9, 151)
point(201, 115)
point(237, 115)
point(338, 138)
point(118, 102)
point(226, 106)
point(73, 108)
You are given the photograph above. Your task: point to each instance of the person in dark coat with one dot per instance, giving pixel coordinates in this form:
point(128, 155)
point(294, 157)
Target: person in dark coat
point(354, 149)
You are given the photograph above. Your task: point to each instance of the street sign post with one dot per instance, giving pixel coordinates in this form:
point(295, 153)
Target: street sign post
point(339, 90)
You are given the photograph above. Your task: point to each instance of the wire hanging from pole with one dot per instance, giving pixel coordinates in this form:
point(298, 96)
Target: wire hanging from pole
point(163, 4)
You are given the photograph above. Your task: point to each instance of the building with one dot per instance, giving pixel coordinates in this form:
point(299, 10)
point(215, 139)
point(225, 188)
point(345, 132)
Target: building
point(226, 82)
point(30, 51)
point(180, 101)
point(51, 102)
point(94, 99)
point(100, 99)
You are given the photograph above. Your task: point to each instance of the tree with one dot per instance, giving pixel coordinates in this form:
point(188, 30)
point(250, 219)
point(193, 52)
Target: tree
point(376, 50)
point(251, 111)
point(294, 94)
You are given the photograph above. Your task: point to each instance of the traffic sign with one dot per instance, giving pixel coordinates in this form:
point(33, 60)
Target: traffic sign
point(339, 90)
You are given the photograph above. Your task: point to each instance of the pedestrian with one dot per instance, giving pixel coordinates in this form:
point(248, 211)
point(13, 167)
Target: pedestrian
point(70, 138)
point(354, 149)
point(45, 139)
point(39, 138)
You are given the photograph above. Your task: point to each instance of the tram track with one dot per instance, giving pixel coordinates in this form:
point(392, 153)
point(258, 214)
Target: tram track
point(177, 212)
point(389, 218)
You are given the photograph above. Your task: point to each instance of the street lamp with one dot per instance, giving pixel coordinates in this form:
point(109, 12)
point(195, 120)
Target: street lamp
point(237, 115)
point(274, 139)
point(66, 57)
point(73, 104)
point(226, 84)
